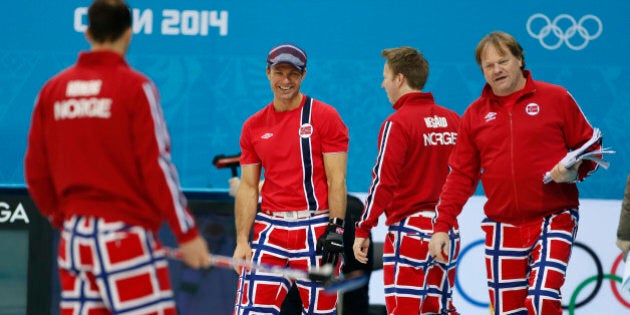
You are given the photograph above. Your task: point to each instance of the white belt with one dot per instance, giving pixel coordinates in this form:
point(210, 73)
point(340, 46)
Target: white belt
point(294, 215)
point(426, 214)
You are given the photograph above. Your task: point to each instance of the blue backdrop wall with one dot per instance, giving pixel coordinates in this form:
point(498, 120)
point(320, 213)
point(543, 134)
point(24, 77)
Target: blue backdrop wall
point(208, 60)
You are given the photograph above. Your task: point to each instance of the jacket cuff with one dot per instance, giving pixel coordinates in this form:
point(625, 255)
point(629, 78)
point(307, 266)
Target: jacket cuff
point(441, 226)
point(185, 237)
point(362, 233)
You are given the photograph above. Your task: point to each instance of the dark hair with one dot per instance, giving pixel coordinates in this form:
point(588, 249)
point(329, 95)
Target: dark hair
point(108, 20)
point(498, 40)
point(410, 62)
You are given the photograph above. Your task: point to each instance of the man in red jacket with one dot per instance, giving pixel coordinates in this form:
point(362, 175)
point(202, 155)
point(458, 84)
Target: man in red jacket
point(509, 138)
point(98, 165)
point(414, 144)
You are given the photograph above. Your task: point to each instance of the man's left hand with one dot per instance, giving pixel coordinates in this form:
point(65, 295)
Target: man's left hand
point(624, 245)
point(330, 244)
point(561, 174)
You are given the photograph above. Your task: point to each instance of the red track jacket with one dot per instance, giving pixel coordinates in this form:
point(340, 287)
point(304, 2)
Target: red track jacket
point(510, 150)
point(98, 146)
point(414, 145)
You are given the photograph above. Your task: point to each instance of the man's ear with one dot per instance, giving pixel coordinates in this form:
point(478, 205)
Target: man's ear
point(400, 79)
point(127, 34)
point(88, 36)
point(126, 40)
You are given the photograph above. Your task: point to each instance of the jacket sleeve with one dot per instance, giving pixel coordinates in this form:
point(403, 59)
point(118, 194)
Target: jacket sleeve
point(578, 130)
point(36, 169)
point(461, 181)
point(385, 174)
point(152, 150)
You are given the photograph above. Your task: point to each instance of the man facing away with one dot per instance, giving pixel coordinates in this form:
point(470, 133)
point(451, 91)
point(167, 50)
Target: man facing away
point(414, 144)
point(98, 165)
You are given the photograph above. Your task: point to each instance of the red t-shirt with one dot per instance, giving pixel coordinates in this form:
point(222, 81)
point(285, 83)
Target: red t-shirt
point(290, 147)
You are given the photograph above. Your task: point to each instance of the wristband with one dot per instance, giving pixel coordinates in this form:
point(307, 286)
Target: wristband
point(336, 221)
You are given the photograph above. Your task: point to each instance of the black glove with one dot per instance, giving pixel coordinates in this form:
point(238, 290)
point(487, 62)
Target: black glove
point(330, 244)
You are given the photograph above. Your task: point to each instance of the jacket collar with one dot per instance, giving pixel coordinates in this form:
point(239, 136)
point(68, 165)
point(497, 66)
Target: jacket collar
point(419, 98)
point(101, 57)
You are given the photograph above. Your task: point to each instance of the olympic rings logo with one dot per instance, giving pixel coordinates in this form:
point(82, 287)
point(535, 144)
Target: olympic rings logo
point(567, 37)
point(573, 303)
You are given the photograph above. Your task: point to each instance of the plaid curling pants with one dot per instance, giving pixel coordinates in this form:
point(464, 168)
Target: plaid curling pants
point(526, 264)
point(287, 243)
point(414, 282)
point(108, 267)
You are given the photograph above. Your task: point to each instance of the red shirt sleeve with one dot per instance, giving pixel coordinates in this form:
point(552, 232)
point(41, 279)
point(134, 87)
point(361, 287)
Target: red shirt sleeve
point(153, 149)
point(461, 182)
point(334, 132)
point(578, 131)
point(37, 173)
point(392, 150)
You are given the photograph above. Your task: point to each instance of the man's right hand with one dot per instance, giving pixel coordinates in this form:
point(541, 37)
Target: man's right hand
point(242, 252)
point(195, 253)
point(439, 246)
point(360, 249)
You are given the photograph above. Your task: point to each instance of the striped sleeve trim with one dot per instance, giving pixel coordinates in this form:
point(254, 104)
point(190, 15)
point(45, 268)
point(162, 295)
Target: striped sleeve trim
point(184, 219)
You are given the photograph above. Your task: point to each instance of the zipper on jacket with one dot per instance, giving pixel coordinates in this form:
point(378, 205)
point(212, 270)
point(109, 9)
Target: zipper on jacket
point(512, 167)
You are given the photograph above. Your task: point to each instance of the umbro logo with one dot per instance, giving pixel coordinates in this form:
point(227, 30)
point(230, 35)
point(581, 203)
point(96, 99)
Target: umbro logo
point(266, 135)
point(490, 116)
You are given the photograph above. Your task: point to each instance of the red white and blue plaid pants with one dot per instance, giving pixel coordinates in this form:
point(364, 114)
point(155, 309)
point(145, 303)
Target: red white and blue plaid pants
point(287, 243)
point(109, 267)
point(526, 264)
point(414, 282)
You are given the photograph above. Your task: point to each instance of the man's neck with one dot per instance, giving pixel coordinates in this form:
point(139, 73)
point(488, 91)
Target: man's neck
point(286, 105)
point(108, 47)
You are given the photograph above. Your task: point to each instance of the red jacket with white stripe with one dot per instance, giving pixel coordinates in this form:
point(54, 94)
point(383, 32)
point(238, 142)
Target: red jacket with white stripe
point(98, 146)
point(413, 149)
point(510, 149)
